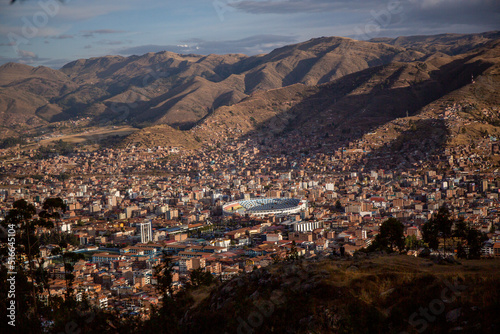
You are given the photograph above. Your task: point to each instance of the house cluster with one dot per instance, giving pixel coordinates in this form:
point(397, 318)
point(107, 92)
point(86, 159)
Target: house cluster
point(128, 207)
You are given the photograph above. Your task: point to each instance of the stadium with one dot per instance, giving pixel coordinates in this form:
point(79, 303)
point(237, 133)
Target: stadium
point(265, 206)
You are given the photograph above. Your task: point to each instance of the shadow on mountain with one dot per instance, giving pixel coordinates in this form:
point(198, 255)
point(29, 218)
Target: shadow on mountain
point(460, 72)
point(425, 138)
point(153, 109)
point(344, 110)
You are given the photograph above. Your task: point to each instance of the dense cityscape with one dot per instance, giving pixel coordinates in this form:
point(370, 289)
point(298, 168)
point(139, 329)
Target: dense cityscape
point(249, 166)
point(126, 207)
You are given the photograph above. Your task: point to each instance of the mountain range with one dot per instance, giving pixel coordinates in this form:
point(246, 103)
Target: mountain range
point(329, 85)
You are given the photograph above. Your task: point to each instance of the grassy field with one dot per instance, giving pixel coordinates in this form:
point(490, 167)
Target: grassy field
point(93, 135)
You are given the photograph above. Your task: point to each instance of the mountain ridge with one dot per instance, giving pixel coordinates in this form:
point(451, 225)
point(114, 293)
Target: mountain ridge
point(203, 93)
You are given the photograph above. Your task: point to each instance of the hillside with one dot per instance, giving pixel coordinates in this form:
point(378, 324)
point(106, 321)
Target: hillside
point(360, 295)
point(441, 102)
point(450, 44)
point(26, 92)
point(162, 135)
point(180, 90)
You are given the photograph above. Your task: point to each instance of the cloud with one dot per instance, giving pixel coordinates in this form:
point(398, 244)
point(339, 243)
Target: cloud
point(250, 46)
point(482, 14)
point(85, 11)
point(4, 60)
point(291, 6)
point(71, 10)
point(142, 49)
point(91, 33)
point(54, 63)
point(109, 42)
point(63, 37)
point(24, 57)
point(412, 17)
point(49, 62)
point(26, 54)
point(8, 44)
point(31, 31)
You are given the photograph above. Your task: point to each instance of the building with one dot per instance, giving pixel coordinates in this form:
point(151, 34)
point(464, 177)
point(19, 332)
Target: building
point(260, 207)
point(307, 226)
point(106, 257)
point(146, 232)
point(188, 264)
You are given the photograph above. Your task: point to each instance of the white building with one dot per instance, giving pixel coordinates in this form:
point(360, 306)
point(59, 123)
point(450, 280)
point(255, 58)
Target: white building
point(307, 226)
point(66, 227)
point(146, 232)
point(330, 186)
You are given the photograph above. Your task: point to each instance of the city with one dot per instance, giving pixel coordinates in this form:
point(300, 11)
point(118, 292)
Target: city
point(244, 166)
point(127, 207)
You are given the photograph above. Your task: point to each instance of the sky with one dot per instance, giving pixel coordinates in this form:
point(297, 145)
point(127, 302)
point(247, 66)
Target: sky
point(55, 32)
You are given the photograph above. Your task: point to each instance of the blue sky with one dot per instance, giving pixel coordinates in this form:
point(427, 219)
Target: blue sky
point(53, 32)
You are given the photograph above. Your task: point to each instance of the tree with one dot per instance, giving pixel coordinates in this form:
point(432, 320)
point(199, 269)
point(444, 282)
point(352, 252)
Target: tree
point(293, 254)
point(200, 277)
point(391, 235)
point(69, 259)
point(470, 238)
point(164, 273)
point(27, 320)
point(444, 224)
point(338, 206)
point(460, 230)
point(52, 238)
point(52, 205)
point(20, 217)
point(438, 227)
point(411, 242)
point(52, 210)
point(430, 234)
point(475, 243)
point(169, 315)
